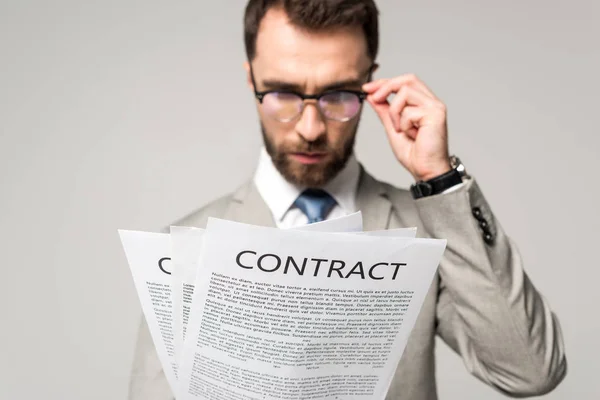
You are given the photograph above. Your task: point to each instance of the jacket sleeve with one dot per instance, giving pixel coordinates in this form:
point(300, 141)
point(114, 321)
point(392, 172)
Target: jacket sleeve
point(147, 380)
point(488, 310)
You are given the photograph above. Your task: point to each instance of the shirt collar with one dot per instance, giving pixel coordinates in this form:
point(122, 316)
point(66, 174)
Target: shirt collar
point(279, 194)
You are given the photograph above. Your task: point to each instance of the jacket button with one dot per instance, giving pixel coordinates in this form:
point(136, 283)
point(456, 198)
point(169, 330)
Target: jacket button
point(476, 212)
point(483, 224)
point(488, 238)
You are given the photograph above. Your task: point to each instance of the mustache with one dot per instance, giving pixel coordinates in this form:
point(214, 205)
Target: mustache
point(317, 146)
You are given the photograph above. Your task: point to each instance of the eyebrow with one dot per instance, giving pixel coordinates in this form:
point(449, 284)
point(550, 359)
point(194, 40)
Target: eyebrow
point(283, 85)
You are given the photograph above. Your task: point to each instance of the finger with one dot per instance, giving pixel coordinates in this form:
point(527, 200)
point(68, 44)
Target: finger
point(372, 86)
point(402, 142)
point(418, 83)
point(394, 85)
point(409, 120)
point(406, 118)
point(397, 106)
point(413, 80)
point(397, 139)
point(390, 87)
point(382, 109)
point(407, 96)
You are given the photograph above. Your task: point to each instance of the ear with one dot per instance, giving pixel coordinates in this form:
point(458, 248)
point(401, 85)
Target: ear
point(248, 75)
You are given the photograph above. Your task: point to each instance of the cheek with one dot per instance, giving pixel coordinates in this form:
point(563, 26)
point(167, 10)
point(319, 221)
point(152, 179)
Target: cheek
point(339, 133)
point(277, 132)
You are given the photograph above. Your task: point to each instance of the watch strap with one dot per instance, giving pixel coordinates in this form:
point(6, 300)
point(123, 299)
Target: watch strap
point(436, 185)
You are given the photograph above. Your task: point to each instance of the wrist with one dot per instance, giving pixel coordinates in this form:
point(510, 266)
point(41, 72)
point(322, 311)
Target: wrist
point(441, 182)
point(433, 172)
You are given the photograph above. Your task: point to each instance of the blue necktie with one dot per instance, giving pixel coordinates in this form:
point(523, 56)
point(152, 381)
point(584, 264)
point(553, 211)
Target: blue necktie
point(315, 204)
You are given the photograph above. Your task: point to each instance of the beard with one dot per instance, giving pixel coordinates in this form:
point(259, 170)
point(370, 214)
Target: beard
point(313, 175)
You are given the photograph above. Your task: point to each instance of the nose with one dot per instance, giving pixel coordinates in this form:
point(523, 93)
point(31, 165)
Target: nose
point(311, 125)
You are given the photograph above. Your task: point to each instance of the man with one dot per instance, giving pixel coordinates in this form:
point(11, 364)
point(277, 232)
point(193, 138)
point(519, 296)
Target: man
point(310, 65)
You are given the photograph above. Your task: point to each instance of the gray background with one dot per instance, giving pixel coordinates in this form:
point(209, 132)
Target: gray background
point(129, 114)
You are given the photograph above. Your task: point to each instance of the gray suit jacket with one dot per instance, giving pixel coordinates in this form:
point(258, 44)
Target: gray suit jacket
point(481, 303)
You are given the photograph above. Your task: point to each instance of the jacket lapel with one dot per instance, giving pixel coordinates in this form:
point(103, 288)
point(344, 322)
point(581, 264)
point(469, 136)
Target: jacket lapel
point(247, 206)
point(372, 201)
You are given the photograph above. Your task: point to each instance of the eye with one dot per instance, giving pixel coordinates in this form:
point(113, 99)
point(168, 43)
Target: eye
point(340, 105)
point(285, 96)
point(335, 97)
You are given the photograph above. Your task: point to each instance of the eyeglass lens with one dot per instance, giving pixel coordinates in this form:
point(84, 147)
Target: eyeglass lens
point(339, 106)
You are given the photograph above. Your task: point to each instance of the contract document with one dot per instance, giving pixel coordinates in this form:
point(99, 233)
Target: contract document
point(149, 258)
point(292, 314)
point(165, 281)
point(186, 247)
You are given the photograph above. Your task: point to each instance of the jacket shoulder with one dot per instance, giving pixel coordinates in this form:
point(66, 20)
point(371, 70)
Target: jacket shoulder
point(403, 213)
point(199, 217)
point(402, 202)
point(397, 194)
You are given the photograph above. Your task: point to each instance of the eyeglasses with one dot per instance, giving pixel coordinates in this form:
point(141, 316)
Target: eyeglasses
point(337, 105)
point(287, 105)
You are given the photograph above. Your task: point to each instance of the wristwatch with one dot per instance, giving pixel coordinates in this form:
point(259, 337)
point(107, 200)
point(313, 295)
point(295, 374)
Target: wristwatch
point(440, 183)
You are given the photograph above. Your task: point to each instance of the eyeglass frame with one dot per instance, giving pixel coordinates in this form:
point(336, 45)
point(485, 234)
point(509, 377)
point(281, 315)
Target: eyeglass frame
point(359, 93)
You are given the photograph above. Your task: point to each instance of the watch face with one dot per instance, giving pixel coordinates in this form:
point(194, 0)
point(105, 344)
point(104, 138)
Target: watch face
point(456, 164)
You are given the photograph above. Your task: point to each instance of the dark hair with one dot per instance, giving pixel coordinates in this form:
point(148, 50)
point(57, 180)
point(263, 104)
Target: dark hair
point(316, 15)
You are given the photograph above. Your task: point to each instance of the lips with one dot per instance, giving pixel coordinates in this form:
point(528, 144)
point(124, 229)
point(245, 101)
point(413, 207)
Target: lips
point(308, 158)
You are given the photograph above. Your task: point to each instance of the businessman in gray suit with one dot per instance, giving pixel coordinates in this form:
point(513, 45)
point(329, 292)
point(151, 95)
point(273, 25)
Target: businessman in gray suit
point(309, 66)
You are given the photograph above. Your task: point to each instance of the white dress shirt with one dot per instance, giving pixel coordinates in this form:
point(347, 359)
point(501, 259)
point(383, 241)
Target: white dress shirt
point(280, 195)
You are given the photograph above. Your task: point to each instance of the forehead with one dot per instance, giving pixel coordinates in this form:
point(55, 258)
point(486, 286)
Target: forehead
point(284, 51)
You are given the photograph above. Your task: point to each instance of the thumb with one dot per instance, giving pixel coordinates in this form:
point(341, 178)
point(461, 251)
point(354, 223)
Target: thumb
point(382, 109)
point(400, 142)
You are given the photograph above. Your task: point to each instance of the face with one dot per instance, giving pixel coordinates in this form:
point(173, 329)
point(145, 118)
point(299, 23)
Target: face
point(310, 148)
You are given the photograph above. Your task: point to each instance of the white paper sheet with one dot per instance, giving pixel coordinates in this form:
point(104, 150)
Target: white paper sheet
point(396, 232)
point(186, 246)
point(164, 271)
point(148, 255)
point(338, 328)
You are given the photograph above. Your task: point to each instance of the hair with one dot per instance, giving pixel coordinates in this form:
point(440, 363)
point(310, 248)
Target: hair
point(316, 15)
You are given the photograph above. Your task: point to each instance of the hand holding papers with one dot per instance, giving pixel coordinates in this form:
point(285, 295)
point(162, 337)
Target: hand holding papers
point(292, 314)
